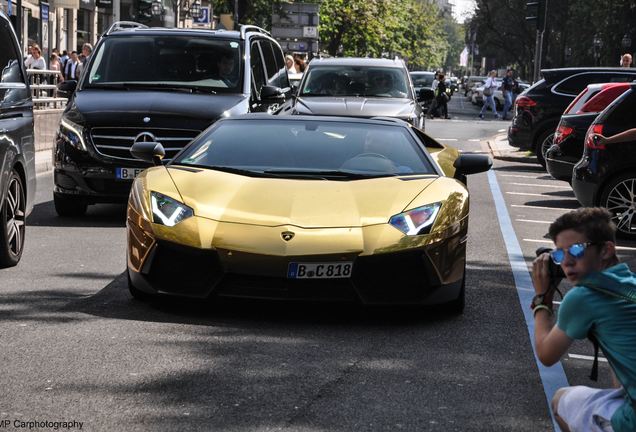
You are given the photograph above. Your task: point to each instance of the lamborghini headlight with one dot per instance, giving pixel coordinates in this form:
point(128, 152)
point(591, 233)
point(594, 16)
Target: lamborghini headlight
point(167, 211)
point(72, 133)
point(417, 221)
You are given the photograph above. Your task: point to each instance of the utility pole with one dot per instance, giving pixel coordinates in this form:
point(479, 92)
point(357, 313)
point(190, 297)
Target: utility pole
point(537, 11)
point(236, 15)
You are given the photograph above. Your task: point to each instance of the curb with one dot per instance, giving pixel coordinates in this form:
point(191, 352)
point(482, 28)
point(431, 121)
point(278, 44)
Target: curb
point(43, 161)
point(502, 151)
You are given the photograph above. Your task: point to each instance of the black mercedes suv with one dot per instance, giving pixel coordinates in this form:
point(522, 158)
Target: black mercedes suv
point(17, 151)
point(157, 85)
point(539, 108)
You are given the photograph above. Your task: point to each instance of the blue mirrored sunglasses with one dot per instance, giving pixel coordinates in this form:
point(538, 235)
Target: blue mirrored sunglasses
point(576, 251)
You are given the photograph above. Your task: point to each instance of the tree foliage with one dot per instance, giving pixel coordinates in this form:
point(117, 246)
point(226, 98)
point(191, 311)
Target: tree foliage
point(504, 35)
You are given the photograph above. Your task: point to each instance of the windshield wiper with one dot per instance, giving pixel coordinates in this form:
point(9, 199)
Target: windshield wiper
point(331, 174)
point(152, 86)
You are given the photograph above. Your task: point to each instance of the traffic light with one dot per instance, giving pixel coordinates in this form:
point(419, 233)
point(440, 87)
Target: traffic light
point(535, 11)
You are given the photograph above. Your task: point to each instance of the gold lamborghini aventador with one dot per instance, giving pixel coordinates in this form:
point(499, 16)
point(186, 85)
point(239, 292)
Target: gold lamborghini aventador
point(368, 210)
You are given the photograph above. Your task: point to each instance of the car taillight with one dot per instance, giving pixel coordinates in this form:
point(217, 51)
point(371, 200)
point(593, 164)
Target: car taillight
point(599, 102)
point(562, 133)
point(525, 102)
point(596, 129)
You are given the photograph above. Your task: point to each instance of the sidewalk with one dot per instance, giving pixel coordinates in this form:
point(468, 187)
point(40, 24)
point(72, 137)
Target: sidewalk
point(43, 161)
point(500, 149)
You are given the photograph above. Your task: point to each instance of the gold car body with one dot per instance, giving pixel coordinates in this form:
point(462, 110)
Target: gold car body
point(243, 219)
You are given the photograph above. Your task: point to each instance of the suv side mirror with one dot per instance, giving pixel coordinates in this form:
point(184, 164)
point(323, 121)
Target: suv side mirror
point(467, 164)
point(148, 151)
point(269, 92)
point(67, 86)
point(425, 94)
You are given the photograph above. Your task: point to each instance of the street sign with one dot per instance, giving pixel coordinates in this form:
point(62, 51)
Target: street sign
point(310, 32)
point(44, 11)
point(204, 19)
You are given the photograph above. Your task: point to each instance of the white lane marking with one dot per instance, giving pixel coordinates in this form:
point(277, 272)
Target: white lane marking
point(585, 357)
point(534, 221)
point(552, 377)
point(529, 194)
point(541, 207)
point(501, 130)
point(474, 140)
point(625, 248)
point(447, 139)
point(531, 177)
point(536, 185)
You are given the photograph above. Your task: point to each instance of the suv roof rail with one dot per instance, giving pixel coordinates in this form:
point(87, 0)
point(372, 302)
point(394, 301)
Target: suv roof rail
point(389, 119)
point(247, 27)
point(124, 25)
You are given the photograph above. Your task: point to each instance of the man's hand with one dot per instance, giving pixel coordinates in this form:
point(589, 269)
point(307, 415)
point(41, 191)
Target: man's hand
point(541, 275)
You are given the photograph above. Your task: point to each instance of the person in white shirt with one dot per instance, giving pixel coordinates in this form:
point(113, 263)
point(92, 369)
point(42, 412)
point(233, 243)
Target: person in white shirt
point(37, 61)
point(70, 71)
point(289, 62)
point(489, 90)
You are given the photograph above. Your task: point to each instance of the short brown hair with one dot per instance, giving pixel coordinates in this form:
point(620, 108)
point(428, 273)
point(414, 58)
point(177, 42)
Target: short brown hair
point(595, 223)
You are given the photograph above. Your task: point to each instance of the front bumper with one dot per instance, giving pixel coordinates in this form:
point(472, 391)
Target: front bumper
point(429, 272)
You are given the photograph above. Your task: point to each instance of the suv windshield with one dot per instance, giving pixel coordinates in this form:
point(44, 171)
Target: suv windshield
point(422, 80)
point(307, 148)
point(356, 81)
point(167, 62)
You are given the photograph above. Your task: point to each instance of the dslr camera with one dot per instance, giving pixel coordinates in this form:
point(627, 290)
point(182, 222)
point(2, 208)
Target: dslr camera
point(555, 271)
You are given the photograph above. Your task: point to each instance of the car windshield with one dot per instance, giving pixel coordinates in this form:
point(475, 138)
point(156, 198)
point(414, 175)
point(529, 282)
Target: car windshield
point(356, 81)
point(167, 62)
point(311, 149)
point(422, 80)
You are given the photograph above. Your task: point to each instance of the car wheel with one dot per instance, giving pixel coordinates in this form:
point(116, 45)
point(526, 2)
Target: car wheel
point(543, 144)
point(13, 227)
point(135, 292)
point(618, 197)
point(69, 206)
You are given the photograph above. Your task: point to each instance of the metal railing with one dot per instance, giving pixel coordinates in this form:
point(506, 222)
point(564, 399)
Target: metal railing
point(43, 85)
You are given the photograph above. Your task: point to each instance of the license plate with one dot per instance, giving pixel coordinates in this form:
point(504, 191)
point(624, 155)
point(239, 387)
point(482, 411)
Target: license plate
point(127, 173)
point(328, 270)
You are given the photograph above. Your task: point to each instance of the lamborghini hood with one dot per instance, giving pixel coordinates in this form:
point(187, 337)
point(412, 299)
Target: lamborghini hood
point(233, 198)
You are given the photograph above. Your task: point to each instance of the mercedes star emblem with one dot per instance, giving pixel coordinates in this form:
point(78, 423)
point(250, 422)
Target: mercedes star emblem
point(287, 235)
point(146, 119)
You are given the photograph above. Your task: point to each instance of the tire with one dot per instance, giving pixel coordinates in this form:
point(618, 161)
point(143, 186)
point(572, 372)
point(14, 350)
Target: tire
point(12, 222)
point(618, 199)
point(136, 293)
point(543, 144)
point(69, 206)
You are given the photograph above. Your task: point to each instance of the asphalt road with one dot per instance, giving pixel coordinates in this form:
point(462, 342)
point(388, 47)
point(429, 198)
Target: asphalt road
point(76, 346)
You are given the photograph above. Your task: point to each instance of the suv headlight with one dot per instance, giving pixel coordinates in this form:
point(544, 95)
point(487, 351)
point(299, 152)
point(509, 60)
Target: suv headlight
point(417, 221)
point(72, 133)
point(167, 211)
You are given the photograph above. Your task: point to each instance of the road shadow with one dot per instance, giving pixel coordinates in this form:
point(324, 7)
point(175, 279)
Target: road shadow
point(99, 215)
point(570, 204)
point(525, 167)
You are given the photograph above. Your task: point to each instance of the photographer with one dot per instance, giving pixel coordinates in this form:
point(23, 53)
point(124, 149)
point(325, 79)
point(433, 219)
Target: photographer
point(602, 305)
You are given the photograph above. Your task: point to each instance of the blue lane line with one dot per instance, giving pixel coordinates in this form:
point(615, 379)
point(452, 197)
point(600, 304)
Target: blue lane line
point(552, 377)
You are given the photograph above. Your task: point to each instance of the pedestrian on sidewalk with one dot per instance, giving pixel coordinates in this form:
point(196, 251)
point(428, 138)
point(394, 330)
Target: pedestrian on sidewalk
point(508, 86)
point(70, 71)
point(601, 306)
point(489, 90)
point(626, 60)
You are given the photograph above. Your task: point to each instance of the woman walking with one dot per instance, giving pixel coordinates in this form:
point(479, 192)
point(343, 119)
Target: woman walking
point(489, 90)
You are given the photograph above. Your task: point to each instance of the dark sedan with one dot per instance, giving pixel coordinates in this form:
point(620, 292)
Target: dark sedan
point(358, 87)
point(606, 174)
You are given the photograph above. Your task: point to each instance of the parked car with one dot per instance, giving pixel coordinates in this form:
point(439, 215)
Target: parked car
point(331, 208)
point(157, 85)
point(423, 85)
point(567, 146)
point(358, 87)
point(477, 94)
point(470, 82)
point(606, 174)
point(539, 108)
point(17, 148)
point(453, 84)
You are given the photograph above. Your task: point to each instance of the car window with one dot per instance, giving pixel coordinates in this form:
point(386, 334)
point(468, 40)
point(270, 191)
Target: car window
point(575, 84)
point(623, 114)
point(9, 59)
point(422, 80)
point(309, 145)
point(356, 81)
point(283, 79)
point(176, 61)
point(257, 69)
point(272, 69)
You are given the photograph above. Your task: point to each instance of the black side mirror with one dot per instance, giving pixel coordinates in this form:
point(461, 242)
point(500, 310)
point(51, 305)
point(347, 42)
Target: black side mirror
point(148, 151)
point(269, 92)
point(67, 86)
point(425, 94)
point(467, 164)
